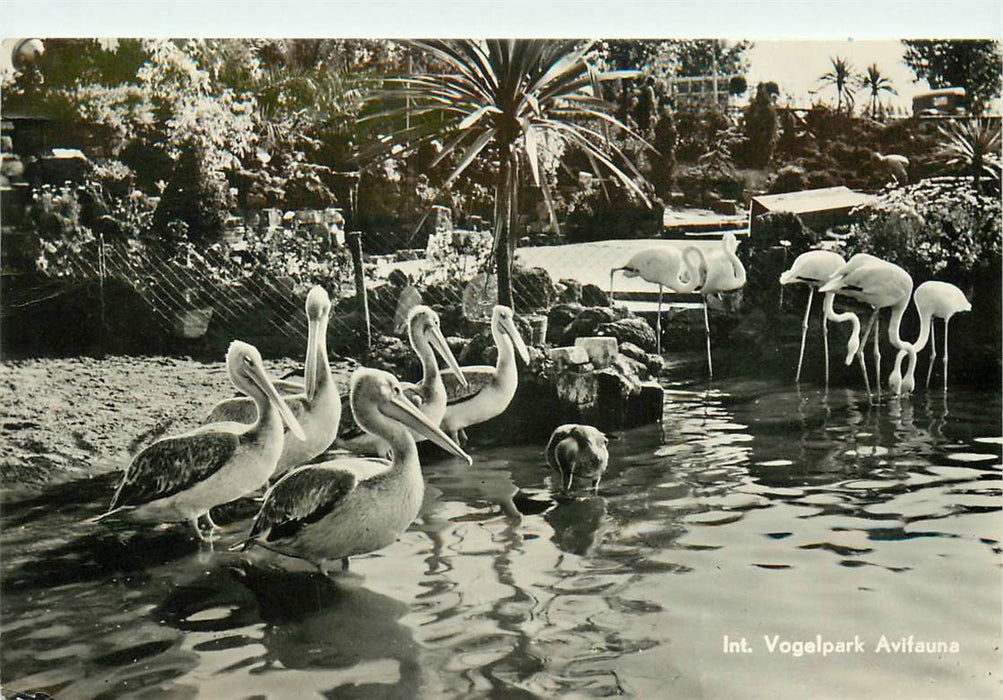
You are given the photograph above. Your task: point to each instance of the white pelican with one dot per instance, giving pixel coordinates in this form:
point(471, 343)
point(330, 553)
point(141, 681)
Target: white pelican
point(180, 478)
point(933, 299)
point(663, 266)
point(814, 269)
point(317, 405)
point(489, 390)
point(880, 284)
point(429, 395)
point(720, 271)
point(338, 509)
point(578, 450)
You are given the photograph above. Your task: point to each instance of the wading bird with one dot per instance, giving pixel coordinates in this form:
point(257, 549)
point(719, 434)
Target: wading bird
point(720, 272)
point(814, 269)
point(342, 508)
point(668, 267)
point(578, 450)
point(488, 390)
point(316, 405)
point(933, 300)
point(181, 478)
point(429, 395)
point(880, 284)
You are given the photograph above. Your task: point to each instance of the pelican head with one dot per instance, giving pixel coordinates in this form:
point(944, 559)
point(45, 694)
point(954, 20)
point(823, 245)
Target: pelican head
point(423, 322)
point(379, 406)
point(503, 319)
point(247, 372)
point(318, 304)
point(578, 450)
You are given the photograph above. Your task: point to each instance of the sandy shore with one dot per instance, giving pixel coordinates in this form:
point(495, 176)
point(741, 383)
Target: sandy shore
point(70, 418)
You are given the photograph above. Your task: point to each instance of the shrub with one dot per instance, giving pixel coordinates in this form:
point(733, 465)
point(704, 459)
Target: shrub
point(194, 196)
point(790, 178)
point(760, 128)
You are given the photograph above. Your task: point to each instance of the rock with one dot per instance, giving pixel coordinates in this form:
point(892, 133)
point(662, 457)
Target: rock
point(480, 350)
point(646, 406)
point(398, 278)
point(586, 322)
point(632, 370)
point(602, 351)
point(532, 288)
point(573, 355)
point(558, 319)
point(629, 330)
point(569, 290)
point(594, 296)
point(577, 393)
point(537, 329)
point(12, 166)
point(630, 350)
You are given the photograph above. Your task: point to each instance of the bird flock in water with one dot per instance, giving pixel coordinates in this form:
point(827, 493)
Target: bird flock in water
point(365, 496)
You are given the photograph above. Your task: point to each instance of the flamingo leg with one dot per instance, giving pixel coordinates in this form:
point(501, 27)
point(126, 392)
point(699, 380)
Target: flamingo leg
point(946, 321)
point(860, 350)
point(877, 349)
point(825, 342)
point(933, 353)
point(804, 333)
point(706, 321)
point(658, 323)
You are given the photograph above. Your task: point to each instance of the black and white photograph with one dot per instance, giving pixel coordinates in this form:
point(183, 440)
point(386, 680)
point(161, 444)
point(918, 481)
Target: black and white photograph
point(515, 360)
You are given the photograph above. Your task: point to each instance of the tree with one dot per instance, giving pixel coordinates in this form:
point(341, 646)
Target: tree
point(701, 56)
point(840, 77)
point(760, 126)
point(972, 147)
point(971, 64)
point(516, 102)
point(876, 83)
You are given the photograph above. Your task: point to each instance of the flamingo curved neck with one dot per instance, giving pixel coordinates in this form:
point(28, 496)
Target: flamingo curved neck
point(846, 316)
point(895, 324)
point(738, 269)
point(692, 269)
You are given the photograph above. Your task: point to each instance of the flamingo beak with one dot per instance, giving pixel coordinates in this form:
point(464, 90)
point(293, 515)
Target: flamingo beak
point(439, 344)
point(509, 326)
point(260, 377)
point(405, 413)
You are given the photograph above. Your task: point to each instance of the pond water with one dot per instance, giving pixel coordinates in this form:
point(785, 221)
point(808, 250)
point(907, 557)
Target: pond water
point(753, 510)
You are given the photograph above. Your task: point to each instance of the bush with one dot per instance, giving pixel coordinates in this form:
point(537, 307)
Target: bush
point(760, 128)
point(194, 196)
point(790, 178)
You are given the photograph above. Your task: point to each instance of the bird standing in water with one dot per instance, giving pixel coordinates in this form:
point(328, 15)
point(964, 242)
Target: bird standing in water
point(429, 395)
point(721, 272)
point(578, 450)
point(317, 405)
point(342, 508)
point(814, 269)
point(484, 392)
point(181, 478)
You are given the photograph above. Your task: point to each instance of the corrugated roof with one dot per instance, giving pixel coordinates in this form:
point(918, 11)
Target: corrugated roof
point(807, 201)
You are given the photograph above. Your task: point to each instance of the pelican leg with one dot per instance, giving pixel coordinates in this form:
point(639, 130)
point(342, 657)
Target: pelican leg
point(706, 321)
point(463, 436)
point(198, 530)
point(933, 353)
point(825, 342)
point(344, 564)
point(804, 333)
point(946, 321)
point(658, 323)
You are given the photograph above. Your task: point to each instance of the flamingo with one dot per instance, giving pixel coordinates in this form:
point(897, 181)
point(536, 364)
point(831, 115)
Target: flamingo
point(484, 392)
point(425, 334)
point(721, 271)
point(933, 299)
point(346, 507)
point(880, 284)
point(814, 269)
point(663, 266)
point(578, 450)
point(316, 404)
point(181, 478)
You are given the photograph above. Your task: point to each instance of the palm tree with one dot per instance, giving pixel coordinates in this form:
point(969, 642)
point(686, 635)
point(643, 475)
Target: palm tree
point(503, 100)
point(876, 83)
point(840, 77)
point(972, 146)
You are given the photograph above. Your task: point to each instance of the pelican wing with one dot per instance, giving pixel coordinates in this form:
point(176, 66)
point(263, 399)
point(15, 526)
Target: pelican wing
point(301, 497)
point(173, 464)
point(478, 377)
point(243, 410)
point(558, 436)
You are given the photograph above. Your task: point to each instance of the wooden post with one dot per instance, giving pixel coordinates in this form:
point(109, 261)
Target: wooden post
point(354, 240)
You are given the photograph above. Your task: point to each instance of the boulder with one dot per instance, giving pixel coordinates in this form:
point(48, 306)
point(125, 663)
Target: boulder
point(569, 355)
point(558, 319)
point(586, 322)
point(533, 288)
point(594, 296)
point(602, 351)
point(630, 330)
point(569, 290)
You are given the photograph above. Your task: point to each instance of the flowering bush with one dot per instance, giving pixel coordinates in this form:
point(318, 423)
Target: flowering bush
point(941, 228)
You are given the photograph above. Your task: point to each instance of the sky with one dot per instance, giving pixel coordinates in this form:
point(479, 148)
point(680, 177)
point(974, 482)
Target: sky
point(796, 66)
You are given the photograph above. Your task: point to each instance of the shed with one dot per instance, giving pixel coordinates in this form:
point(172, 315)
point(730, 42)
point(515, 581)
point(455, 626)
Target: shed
point(818, 209)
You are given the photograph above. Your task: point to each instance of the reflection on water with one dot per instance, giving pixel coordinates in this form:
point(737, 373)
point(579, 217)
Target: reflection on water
point(753, 509)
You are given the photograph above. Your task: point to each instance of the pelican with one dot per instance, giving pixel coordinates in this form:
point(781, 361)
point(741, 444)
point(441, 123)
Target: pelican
point(720, 271)
point(484, 392)
point(814, 269)
point(933, 299)
point(181, 478)
point(342, 508)
point(578, 450)
point(429, 394)
point(670, 267)
point(316, 405)
point(880, 284)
